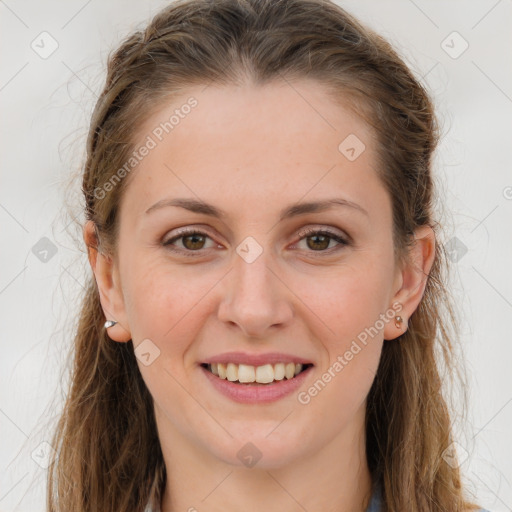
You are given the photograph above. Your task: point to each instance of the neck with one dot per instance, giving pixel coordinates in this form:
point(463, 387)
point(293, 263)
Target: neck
point(335, 478)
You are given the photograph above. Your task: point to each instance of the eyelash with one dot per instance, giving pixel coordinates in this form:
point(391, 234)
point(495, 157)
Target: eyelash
point(303, 234)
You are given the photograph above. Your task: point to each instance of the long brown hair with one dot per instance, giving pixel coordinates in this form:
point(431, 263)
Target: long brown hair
point(107, 445)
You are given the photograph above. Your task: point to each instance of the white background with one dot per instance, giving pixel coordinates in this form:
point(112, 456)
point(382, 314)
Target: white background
point(45, 106)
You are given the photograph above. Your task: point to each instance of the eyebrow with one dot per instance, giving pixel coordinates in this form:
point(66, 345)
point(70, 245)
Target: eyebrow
point(293, 210)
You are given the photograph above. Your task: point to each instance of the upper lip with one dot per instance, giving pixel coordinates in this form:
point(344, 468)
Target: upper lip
point(256, 359)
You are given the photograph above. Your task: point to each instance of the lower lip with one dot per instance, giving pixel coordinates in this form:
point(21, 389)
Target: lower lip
point(256, 393)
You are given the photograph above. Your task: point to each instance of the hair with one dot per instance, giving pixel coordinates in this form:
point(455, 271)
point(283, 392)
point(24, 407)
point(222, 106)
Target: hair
point(108, 456)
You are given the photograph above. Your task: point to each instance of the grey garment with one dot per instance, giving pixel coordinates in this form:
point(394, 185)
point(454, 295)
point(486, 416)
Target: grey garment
point(376, 501)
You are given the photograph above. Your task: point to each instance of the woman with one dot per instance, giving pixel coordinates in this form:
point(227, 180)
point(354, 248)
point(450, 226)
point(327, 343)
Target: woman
point(267, 300)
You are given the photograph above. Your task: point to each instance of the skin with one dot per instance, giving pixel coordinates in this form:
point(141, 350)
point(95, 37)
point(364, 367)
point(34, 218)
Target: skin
point(253, 150)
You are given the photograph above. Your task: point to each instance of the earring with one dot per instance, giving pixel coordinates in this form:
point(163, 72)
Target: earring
point(398, 322)
point(110, 323)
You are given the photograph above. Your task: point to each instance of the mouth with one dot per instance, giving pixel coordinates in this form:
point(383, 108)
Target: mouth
point(262, 375)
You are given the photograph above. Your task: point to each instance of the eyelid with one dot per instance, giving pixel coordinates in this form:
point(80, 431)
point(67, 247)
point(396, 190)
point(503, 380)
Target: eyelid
point(334, 232)
point(182, 232)
point(342, 239)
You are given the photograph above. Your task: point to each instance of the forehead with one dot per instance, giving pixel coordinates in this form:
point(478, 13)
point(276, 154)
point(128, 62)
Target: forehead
point(255, 146)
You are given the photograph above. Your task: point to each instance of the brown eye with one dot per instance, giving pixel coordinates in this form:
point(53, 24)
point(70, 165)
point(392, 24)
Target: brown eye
point(191, 241)
point(316, 241)
point(319, 240)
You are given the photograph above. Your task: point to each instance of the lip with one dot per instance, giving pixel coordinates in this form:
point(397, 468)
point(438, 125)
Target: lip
point(255, 359)
point(256, 393)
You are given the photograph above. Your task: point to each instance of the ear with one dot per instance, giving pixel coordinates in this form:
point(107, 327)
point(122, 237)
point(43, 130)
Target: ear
point(107, 278)
point(411, 280)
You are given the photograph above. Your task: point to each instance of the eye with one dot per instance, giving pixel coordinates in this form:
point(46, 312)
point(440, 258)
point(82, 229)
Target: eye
point(191, 240)
point(318, 240)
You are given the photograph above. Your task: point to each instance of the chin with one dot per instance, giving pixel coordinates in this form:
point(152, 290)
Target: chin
point(258, 452)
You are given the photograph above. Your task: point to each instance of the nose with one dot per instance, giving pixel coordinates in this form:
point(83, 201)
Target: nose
point(255, 298)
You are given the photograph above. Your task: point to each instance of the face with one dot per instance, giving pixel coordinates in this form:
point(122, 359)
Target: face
point(258, 283)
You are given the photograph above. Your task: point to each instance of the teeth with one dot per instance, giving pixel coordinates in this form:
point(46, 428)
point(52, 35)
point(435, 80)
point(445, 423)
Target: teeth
point(221, 368)
point(262, 374)
point(279, 371)
point(246, 373)
point(289, 370)
point(265, 374)
point(232, 372)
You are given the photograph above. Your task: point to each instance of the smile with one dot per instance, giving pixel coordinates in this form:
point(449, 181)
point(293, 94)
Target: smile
point(264, 374)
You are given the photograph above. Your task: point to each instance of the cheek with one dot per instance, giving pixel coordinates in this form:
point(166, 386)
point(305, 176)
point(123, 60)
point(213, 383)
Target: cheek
point(349, 303)
point(351, 309)
point(348, 299)
point(164, 303)
point(152, 298)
